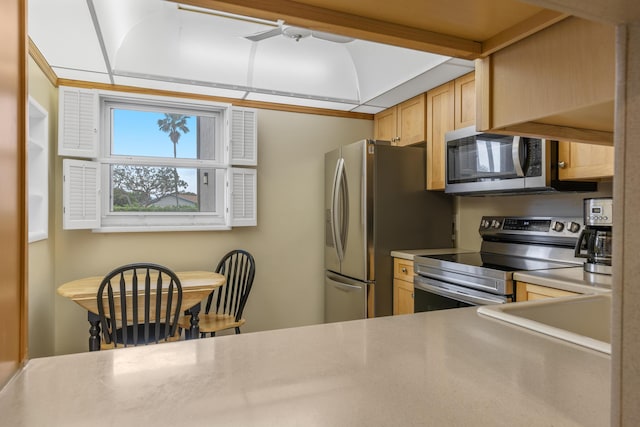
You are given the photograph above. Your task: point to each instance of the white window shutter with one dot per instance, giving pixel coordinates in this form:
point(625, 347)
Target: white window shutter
point(80, 194)
point(244, 137)
point(244, 209)
point(78, 122)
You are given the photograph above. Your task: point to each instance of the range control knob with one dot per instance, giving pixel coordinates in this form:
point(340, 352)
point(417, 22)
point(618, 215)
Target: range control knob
point(484, 224)
point(495, 223)
point(574, 227)
point(557, 226)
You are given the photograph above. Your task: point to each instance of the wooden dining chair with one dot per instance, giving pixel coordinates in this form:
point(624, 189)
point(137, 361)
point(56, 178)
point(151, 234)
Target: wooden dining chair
point(225, 305)
point(139, 304)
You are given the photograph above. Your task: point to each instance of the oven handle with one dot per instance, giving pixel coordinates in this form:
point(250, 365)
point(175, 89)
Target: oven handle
point(441, 278)
point(435, 287)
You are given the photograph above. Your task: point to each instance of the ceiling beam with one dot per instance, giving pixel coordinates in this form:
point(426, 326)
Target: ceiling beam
point(360, 27)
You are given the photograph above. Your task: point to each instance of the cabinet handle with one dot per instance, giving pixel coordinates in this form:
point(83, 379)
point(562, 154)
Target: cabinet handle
point(562, 165)
point(404, 269)
point(412, 295)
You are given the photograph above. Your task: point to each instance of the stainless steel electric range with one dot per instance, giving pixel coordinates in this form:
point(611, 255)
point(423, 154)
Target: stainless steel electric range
point(509, 244)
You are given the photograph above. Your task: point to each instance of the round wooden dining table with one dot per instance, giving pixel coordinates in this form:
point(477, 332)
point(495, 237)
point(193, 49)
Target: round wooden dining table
point(196, 286)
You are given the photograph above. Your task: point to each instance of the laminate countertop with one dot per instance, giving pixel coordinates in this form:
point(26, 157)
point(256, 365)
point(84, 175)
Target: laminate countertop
point(441, 368)
point(409, 254)
point(573, 279)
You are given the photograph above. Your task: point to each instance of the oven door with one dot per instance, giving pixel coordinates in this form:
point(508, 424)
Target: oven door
point(431, 295)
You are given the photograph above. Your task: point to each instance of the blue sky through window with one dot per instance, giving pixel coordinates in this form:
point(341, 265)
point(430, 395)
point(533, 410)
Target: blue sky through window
point(136, 133)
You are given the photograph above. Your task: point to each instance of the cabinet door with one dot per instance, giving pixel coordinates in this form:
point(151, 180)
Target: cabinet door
point(403, 269)
point(402, 297)
point(558, 81)
point(385, 125)
point(530, 292)
point(411, 121)
point(465, 101)
point(584, 161)
point(440, 120)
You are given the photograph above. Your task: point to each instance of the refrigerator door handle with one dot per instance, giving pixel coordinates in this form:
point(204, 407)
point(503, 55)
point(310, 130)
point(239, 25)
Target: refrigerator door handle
point(340, 208)
point(346, 288)
point(334, 189)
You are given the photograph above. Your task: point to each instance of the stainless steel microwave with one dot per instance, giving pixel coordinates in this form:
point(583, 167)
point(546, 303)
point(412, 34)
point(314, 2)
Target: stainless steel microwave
point(484, 163)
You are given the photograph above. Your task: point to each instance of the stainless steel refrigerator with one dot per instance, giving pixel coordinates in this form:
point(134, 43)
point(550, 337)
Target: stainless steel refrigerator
point(376, 202)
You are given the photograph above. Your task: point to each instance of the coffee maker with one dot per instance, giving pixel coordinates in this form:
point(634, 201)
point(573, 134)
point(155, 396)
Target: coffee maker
point(594, 242)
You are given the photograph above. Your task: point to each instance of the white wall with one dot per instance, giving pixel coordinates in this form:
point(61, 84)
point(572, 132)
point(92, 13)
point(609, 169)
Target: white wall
point(287, 243)
point(41, 289)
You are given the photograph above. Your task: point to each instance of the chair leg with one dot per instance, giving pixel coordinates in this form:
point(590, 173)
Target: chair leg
point(237, 330)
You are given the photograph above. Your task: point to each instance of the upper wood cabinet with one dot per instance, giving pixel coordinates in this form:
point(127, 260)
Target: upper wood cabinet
point(465, 101)
point(385, 125)
point(584, 161)
point(403, 124)
point(558, 83)
point(440, 120)
point(449, 106)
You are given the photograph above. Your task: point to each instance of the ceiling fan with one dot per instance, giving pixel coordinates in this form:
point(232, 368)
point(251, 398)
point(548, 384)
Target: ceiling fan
point(297, 33)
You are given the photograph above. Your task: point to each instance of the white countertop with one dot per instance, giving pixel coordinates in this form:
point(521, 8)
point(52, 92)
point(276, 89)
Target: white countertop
point(442, 368)
point(411, 253)
point(573, 279)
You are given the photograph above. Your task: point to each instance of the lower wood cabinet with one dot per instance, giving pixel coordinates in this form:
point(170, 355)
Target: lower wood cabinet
point(528, 292)
point(402, 286)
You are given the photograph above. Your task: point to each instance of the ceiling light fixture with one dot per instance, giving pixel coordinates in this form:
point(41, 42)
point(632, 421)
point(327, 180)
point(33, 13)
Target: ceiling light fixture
point(296, 33)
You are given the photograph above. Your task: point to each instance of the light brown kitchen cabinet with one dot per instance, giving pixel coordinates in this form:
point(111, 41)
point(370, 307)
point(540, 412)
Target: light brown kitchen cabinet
point(440, 120)
point(584, 161)
point(403, 124)
point(385, 125)
point(558, 83)
point(529, 291)
point(449, 106)
point(465, 101)
point(402, 286)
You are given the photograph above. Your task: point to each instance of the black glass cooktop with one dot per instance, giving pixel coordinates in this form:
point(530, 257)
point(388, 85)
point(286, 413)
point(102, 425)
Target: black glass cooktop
point(499, 262)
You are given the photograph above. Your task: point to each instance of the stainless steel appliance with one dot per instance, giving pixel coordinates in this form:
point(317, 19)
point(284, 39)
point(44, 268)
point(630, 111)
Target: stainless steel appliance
point(509, 244)
point(484, 163)
point(375, 202)
point(595, 241)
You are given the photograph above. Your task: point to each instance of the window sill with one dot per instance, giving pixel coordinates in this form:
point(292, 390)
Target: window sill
point(159, 229)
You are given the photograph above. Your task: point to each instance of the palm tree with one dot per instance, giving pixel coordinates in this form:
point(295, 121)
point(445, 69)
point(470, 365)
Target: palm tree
point(174, 125)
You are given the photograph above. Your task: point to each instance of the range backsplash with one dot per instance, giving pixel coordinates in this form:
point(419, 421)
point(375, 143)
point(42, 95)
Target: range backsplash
point(469, 210)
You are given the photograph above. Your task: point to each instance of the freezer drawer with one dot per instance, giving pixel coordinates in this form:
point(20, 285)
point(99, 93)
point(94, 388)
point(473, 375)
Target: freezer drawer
point(345, 298)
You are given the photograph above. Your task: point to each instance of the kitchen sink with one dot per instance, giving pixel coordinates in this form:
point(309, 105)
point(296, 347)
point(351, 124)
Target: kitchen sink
point(584, 320)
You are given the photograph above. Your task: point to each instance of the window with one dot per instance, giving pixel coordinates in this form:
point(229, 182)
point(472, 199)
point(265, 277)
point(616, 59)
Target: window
point(157, 163)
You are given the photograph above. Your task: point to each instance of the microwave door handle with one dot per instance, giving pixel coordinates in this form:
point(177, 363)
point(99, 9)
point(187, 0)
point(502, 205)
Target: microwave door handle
point(515, 154)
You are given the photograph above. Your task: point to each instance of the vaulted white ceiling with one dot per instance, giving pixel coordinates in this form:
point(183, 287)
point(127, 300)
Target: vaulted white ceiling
point(164, 45)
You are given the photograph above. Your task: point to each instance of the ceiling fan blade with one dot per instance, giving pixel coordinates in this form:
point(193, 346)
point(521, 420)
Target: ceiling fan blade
point(331, 37)
point(264, 35)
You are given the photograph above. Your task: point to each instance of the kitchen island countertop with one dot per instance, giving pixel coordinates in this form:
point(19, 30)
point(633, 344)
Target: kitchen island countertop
point(440, 368)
